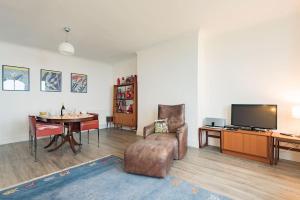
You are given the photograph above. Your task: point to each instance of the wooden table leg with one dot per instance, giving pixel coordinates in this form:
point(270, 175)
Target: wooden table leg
point(60, 145)
point(72, 145)
point(271, 150)
point(71, 139)
point(68, 138)
point(51, 141)
point(75, 142)
point(221, 142)
point(200, 137)
point(206, 142)
point(276, 151)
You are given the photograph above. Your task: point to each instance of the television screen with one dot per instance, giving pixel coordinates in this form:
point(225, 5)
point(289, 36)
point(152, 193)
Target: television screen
point(253, 115)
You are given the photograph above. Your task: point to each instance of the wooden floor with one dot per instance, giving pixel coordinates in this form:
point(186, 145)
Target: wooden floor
point(207, 168)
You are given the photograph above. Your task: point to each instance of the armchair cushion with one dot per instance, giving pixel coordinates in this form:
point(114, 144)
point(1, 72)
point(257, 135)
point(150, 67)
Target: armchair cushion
point(171, 137)
point(161, 126)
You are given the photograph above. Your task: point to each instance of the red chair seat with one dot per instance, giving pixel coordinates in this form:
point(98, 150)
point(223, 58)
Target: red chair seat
point(88, 125)
point(43, 129)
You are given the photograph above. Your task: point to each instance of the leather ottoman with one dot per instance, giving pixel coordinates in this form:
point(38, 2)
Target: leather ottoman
point(149, 158)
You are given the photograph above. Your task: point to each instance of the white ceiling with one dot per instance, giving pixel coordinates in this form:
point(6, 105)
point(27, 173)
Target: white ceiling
point(111, 29)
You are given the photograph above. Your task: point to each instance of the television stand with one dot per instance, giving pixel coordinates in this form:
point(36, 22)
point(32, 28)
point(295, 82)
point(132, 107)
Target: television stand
point(247, 128)
point(254, 129)
point(261, 130)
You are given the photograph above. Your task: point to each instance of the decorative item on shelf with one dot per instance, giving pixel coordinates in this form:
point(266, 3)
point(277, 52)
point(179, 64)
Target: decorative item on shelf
point(130, 109)
point(65, 47)
point(129, 79)
point(123, 80)
point(118, 81)
point(121, 106)
point(118, 94)
point(15, 78)
point(128, 93)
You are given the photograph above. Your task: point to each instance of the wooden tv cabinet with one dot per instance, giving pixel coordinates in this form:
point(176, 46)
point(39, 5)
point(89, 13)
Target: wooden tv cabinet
point(253, 145)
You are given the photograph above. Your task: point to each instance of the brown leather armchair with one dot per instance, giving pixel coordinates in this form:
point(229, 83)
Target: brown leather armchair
point(178, 130)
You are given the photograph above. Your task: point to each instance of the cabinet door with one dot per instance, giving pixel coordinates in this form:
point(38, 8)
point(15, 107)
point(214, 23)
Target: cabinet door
point(127, 120)
point(256, 145)
point(233, 141)
point(117, 119)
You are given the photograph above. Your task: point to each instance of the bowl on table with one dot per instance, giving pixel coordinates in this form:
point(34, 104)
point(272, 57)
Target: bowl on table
point(43, 114)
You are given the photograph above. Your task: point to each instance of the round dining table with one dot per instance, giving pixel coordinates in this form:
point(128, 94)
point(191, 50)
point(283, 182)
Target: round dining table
point(70, 122)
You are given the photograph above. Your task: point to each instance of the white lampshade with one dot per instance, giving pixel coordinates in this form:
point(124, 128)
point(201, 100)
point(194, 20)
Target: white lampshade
point(66, 48)
point(296, 112)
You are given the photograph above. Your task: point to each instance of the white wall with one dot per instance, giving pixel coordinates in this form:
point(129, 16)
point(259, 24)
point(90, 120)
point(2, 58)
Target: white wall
point(260, 65)
point(208, 73)
point(15, 106)
point(167, 74)
point(124, 68)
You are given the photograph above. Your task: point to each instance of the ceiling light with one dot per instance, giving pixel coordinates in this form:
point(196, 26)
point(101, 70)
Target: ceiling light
point(65, 47)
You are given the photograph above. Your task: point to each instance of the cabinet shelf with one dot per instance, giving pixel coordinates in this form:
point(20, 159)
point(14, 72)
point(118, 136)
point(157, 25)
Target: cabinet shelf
point(124, 99)
point(127, 113)
point(124, 85)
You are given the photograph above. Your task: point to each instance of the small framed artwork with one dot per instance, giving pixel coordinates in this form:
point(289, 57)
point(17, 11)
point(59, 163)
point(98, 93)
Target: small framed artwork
point(51, 81)
point(15, 78)
point(78, 83)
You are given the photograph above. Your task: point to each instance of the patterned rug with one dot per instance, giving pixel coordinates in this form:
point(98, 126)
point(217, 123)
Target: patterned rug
point(105, 179)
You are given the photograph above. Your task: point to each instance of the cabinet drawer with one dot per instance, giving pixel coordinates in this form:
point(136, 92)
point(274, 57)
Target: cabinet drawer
point(233, 141)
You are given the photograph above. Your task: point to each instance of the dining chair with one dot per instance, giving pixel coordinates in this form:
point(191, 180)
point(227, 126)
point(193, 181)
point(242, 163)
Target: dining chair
point(90, 125)
point(39, 129)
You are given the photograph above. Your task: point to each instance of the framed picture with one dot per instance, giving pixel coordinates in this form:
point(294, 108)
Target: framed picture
point(78, 83)
point(50, 81)
point(15, 78)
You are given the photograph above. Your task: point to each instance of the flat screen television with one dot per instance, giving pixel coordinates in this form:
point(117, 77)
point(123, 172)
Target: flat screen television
point(254, 115)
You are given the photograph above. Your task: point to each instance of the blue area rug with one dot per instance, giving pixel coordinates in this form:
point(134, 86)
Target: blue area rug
point(105, 179)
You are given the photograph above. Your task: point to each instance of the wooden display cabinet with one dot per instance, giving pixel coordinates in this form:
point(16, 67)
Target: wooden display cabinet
point(253, 145)
point(125, 104)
